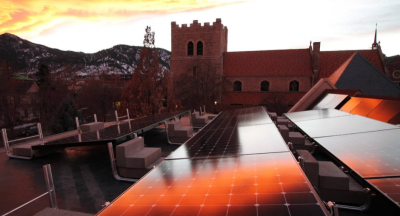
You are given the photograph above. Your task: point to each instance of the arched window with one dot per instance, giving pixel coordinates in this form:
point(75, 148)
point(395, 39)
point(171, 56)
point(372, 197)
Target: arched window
point(294, 86)
point(190, 48)
point(237, 86)
point(200, 48)
point(264, 86)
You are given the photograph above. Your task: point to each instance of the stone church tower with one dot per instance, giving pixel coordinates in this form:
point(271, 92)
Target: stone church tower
point(194, 45)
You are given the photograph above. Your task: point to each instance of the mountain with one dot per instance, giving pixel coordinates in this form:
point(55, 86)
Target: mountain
point(24, 56)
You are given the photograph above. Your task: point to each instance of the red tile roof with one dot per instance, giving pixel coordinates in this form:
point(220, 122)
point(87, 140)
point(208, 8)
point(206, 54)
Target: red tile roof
point(330, 61)
point(261, 97)
point(267, 63)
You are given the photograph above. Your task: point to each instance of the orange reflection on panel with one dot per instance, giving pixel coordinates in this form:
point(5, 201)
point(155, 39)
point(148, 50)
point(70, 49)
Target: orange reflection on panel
point(365, 106)
point(353, 102)
point(385, 111)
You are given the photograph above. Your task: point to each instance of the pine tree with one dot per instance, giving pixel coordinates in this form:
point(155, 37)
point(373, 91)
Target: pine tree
point(64, 118)
point(145, 93)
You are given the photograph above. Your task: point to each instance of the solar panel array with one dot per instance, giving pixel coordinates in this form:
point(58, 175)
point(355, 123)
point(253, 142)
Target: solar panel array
point(315, 114)
point(330, 101)
point(236, 165)
point(390, 187)
point(112, 133)
point(369, 147)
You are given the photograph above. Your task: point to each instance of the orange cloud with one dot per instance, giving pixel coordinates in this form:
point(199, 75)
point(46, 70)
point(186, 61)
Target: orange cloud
point(31, 17)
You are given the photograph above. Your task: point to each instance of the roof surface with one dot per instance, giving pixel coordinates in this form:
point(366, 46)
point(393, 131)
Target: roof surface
point(359, 73)
point(330, 61)
point(268, 63)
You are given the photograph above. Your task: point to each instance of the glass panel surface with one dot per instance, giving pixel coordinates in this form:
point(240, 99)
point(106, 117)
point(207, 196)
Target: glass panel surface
point(389, 187)
point(324, 101)
point(261, 184)
point(335, 101)
point(373, 154)
point(314, 114)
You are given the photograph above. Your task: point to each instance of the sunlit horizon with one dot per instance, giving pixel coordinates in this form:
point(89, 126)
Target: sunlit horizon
point(252, 24)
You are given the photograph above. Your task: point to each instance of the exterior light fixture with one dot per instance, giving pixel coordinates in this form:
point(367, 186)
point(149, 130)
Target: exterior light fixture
point(215, 102)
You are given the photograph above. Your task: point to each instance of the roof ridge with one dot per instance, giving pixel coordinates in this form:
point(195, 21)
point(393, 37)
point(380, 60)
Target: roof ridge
point(335, 76)
point(268, 50)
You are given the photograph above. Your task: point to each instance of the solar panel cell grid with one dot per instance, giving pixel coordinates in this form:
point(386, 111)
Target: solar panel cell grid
point(374, 154)
point(341, 126)
point(390, 187)
point(315, 114)
point(260, 184)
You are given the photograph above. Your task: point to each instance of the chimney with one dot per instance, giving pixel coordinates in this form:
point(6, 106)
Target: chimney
point(315, 60)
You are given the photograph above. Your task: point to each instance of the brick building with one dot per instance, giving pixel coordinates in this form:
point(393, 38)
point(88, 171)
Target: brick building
point(271, 77)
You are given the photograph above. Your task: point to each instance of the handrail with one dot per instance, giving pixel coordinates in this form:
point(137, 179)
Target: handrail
point(24, 138)
point(7, 143)
point(126, 116)
point(50, 190)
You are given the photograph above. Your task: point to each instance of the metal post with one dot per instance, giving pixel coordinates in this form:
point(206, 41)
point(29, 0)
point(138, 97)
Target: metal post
point(48, 176)
point(127, 114)
point(200, 112)
point(5, 141)
point(40, 132)
point(116, 116)
point(77, 125)
point(190, 118)
point(114, 165)
point(95, 117)
point(204, 109)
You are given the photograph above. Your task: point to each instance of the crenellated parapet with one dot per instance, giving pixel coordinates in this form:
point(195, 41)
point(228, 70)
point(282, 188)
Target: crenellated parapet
point(196, 26)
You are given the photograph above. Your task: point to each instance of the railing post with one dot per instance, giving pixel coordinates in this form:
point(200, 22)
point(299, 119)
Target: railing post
point(5, 140)
point(190, 118)
point(95, 117)
point(116, 116)
point(201, 113)
point(77, 125)
point(204, 109)
point(127, 113)
point(40, 132)
point(48, 176)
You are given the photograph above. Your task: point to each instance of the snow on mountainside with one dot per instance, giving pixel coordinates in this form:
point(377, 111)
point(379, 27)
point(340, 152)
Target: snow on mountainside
point(25, 56)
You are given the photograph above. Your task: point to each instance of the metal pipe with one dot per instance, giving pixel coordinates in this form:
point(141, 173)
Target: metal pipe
point(40, 132)
point(95, 117)
point(48, 176)
point(200, 112)
point(204, 109)
point(362, 208)
point(77, 125)
point(7, 146)
point(116, 116)
point(24, 138)
point(127, 114)
point(114, 166)
point(169, 141)
point(25, 204)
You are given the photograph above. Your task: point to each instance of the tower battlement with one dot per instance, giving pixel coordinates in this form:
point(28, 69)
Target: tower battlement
point(196, 26)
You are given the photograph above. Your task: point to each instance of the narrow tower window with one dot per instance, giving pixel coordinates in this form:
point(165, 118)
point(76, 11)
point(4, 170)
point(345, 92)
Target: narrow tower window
point(190, 48)
point(200, 48)
point(264, 86)
point(237, 86)
point(294, 86)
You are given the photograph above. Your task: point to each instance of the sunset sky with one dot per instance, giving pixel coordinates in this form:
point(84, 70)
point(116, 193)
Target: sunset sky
point(93, 25)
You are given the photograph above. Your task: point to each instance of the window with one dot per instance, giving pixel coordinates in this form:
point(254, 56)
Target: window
point(294, 86)
point(237, 86)
point(200, 48)
point(264, 86)
point(396, 74)
point(190, 48)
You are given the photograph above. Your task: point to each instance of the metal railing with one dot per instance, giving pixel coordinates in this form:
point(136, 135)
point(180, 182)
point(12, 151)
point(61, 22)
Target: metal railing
point(126, 116)
point(48, 176)
point(7, 142)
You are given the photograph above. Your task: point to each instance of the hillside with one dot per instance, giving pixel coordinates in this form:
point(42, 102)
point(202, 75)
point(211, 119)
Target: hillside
point(25, 56)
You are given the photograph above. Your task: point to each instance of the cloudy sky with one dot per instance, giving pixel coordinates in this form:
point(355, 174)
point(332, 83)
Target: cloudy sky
point(93, 25)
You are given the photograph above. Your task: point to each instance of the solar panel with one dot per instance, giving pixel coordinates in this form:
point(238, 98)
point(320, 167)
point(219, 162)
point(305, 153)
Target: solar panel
point(373, 154)
point(324, 101)
point(111, 134)
point(365, 106)
point(385, 111)
point(232, 141)
point(390, 187)
point(341, 126)
point(260, 184)
point(335, 101)
point(240, 117)
point(314, 114)
point(353, 102)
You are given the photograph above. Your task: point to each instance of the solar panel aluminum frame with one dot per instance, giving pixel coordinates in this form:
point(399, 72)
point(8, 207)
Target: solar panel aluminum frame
point(116, 141)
